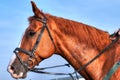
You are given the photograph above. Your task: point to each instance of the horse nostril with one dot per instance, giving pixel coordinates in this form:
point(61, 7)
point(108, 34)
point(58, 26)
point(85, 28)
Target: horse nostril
point(12, 68)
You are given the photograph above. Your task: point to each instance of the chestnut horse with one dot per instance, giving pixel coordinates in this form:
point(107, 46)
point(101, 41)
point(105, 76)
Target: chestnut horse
point(76, 42)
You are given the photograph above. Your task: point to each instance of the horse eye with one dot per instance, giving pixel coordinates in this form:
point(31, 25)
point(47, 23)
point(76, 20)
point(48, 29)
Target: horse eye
point(31, 33)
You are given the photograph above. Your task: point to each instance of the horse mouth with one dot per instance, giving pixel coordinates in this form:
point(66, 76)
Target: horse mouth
point(17, 75)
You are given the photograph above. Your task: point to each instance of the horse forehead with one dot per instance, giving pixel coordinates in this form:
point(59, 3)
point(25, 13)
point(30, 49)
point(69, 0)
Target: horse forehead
point(35, 25)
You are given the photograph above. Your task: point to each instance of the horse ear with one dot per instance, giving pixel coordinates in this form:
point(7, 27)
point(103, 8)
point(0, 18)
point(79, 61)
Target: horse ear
point(35, 10)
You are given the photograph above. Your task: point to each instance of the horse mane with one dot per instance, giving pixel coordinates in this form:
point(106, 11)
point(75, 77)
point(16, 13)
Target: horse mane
point(83, 33)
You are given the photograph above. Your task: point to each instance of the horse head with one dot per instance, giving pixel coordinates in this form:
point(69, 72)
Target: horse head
point(76, 42)
point(37, 44)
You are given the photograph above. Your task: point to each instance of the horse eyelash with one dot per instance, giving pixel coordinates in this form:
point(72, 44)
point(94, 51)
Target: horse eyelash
point(32, 33)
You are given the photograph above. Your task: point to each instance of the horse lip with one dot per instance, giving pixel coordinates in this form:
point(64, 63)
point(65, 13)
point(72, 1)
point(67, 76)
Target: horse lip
point(20, 76)
point(16, 76)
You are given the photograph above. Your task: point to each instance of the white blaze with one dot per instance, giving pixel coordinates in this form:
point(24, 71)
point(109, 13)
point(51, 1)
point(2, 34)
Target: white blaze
point(12, 59)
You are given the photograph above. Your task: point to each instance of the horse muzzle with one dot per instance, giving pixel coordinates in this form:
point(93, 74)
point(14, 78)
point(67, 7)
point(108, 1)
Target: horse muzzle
point(16, 72)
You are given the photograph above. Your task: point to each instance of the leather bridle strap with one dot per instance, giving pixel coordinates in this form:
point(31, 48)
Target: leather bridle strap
point(38, 39)
point(24, 51)
point(44, 21)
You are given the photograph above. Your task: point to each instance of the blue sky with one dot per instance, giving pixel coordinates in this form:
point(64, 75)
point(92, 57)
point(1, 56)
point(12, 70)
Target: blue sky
point(103, 14)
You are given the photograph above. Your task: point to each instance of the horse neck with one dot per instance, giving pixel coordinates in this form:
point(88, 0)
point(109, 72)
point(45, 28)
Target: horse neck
point(78, 53)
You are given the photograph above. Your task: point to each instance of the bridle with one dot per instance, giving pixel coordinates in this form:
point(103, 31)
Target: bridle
point(31, 53)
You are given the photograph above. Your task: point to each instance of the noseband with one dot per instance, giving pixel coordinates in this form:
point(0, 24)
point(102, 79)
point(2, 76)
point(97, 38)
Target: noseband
point(31, 53)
